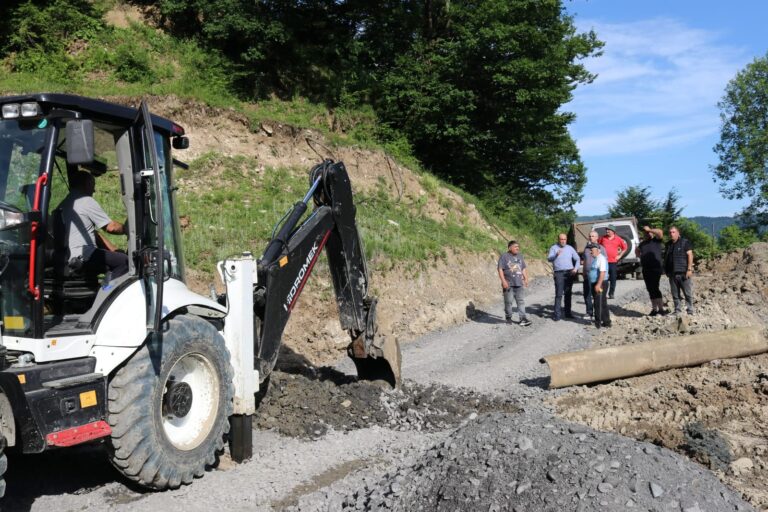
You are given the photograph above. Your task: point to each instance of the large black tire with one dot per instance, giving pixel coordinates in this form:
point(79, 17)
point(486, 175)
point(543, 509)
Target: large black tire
point(3, 465)
point(160, 442)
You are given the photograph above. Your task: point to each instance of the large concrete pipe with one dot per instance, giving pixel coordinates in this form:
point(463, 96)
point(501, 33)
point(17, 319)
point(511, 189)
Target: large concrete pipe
point(601, 364)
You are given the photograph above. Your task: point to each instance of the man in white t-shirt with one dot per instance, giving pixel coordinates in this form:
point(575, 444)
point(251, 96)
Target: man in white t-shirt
point(83, 217)
point(597, 272)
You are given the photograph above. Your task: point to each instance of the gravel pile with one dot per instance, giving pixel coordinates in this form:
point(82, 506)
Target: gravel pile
point(309, 404)
point(534, 462)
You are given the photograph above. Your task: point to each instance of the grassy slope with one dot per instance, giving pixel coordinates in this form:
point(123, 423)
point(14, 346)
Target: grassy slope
point(237, 210)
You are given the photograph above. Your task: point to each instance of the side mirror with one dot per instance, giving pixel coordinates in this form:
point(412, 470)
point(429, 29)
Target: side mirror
point(180, 143)
point(80, 148)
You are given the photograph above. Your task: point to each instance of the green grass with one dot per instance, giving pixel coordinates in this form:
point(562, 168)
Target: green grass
point(232, 206)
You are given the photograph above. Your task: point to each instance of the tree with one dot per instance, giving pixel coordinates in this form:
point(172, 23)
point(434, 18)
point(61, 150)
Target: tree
point(669, 210)
point(635, 201)
point(733, 237)
point(703, 244)
point(743, 147)
point(480, 94)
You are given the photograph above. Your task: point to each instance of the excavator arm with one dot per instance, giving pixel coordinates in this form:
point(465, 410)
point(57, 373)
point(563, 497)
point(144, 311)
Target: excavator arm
point(289, 259)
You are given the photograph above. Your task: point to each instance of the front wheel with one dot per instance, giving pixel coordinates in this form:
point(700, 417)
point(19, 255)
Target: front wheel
point(169, 406)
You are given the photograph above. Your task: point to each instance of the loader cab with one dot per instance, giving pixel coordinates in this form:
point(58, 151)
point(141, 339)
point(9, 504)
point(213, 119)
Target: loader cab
point(46, 138)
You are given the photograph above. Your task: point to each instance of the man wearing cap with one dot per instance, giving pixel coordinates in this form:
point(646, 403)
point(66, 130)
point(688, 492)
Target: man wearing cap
point(596, 277)
point(565, 263)
point(615, 247)
point(587, 259)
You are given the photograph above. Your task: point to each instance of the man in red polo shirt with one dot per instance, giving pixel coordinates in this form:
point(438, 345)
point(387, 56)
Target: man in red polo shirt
point(615, 247)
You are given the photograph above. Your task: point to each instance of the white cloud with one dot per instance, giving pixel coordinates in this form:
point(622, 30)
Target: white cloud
point(658, 85)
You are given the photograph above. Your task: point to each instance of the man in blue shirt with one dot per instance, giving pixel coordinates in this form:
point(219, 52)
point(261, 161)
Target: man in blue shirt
point(565, 263)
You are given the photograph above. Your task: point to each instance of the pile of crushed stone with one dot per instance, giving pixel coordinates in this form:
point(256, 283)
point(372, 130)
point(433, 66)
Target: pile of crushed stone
point(310, 403)
point(527, 462)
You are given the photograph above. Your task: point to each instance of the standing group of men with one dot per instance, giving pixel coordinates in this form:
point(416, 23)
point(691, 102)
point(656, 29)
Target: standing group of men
point(600, 260)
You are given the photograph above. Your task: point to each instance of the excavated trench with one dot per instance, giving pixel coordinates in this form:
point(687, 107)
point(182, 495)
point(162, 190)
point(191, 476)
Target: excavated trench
point(309, 403)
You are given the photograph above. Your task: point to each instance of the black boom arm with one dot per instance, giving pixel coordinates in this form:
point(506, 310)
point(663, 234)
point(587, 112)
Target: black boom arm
point(291, 255)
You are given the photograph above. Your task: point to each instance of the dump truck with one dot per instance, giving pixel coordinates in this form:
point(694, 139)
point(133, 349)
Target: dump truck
point(163, 376)
point(626, 228)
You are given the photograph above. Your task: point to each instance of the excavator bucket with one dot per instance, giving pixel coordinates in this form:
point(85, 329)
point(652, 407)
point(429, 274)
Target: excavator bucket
point(381, 362)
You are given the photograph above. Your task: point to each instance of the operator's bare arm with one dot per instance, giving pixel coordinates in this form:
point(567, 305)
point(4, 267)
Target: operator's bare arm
point(525, 277)
point(114, 228)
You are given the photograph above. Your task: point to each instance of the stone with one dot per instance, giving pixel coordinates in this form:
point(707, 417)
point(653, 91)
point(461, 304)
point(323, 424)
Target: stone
point(346, 403)
point(656, 489)
point(604, 487)
point(523, 487)
point(741, 465)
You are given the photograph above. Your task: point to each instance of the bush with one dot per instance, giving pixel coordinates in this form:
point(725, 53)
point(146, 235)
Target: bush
point(733, 237)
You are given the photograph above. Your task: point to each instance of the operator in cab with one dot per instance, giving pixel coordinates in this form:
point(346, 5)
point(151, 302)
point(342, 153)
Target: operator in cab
point(83, 217)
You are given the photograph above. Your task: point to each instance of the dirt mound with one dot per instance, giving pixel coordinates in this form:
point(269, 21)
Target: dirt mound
point(715, 413)
point(308, 405)
point(533, 462)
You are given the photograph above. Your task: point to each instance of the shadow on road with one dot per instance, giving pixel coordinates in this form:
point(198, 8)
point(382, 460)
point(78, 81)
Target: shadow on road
point(79, 470)
point(482, 317)
point(538, 382)
point(620, 311)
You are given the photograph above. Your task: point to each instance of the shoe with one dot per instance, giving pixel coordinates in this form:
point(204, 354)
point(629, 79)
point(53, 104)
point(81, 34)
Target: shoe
point(509, 320)
point(525, 322)
point(610, 296)
point(663, 312)
point(690, 312)
point(590, 314)
point(569, 315)
point(677, 311)
point(607, 324)
point(556, 318)
point(653, 313)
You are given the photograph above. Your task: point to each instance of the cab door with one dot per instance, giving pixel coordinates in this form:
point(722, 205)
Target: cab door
point(149, 216)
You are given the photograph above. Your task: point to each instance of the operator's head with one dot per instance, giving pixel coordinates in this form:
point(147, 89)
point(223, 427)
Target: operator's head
point(593, 236)
point(674, 233)
point(83, 182)
point(562, 239)
point(513, 247)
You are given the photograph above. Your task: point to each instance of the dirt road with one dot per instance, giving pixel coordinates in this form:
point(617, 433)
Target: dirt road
point(322, 462)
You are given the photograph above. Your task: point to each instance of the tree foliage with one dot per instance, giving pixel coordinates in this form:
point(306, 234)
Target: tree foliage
point(635, 201)
point(703, 244)
point(733, 237)
point(477, 86)
point(743, 146)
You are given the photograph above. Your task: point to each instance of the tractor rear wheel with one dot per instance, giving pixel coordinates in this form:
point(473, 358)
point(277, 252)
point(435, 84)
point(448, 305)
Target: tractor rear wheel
point(169, 406)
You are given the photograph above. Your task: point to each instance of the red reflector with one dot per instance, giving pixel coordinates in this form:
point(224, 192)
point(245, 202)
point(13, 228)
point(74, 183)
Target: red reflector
point(77, 435)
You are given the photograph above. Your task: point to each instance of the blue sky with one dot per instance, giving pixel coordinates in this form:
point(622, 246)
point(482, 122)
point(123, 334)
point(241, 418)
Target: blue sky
point(651, 116)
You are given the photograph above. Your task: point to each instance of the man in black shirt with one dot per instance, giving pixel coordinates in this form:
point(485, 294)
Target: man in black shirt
point(678, 265)
point(652, 262)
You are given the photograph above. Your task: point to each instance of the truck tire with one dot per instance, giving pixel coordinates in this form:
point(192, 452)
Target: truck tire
point(3, 465)
point(169, 406)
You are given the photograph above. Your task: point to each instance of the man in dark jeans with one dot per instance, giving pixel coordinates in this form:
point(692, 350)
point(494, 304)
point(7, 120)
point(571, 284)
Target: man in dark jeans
point(678, 265)
point(565, 263)
point(587, 260)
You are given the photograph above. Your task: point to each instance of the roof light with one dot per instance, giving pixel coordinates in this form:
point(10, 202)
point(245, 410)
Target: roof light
point(11, 111)
point(31, 109)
